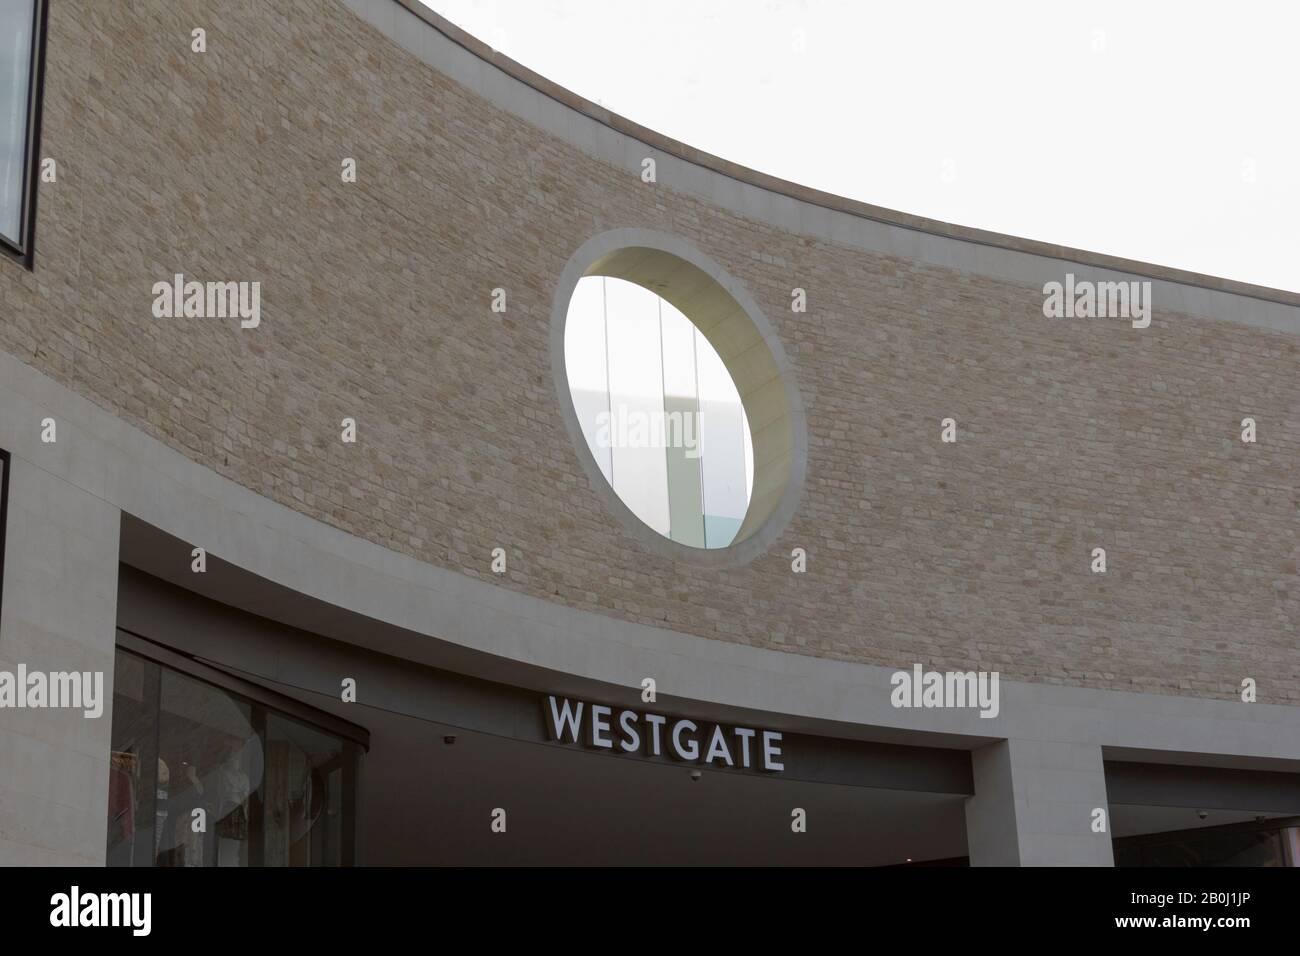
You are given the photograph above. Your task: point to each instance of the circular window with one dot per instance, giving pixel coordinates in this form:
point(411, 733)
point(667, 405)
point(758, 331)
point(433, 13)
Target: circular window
point(678, 394)
point(659, 411)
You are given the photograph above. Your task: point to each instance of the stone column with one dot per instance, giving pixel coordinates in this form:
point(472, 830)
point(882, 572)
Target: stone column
point(58, 612)
point(1034, 803)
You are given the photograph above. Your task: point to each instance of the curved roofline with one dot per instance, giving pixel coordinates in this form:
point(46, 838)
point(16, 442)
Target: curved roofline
point(817, 197)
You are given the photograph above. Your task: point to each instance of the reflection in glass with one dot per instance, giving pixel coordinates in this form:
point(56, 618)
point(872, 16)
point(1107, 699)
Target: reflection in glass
point(659, 411)
point(682, 426)
point(132, 826)
point(202, 777)
point(209, 759)
point(1261, 843)
point(303, 786)
point(728, 465)
point(585, 359)
point(634, 427)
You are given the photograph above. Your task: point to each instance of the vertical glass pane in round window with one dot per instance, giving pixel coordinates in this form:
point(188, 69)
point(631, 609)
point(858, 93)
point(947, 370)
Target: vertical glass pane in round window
point(660, 413)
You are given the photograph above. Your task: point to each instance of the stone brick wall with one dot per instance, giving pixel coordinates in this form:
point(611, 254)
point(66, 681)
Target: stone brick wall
point(375, 305)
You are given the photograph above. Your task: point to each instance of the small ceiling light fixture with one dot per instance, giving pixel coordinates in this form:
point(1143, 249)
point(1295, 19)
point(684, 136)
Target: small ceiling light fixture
point(449, 739)
point(695, 775)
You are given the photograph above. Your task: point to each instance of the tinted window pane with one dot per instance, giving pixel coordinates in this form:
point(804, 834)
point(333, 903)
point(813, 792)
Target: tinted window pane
point(1213, 846)
point(210, 758)
point(133, 818)
point(202, 777)
point(303, 796)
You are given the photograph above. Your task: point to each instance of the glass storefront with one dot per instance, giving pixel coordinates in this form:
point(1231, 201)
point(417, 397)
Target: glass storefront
point(1263, 843)
point(202, 776)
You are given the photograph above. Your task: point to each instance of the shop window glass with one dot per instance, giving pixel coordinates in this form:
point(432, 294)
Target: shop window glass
point(202, 777)
point(304, 789)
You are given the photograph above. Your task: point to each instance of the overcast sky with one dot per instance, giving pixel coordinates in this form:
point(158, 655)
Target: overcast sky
point(1165, 132)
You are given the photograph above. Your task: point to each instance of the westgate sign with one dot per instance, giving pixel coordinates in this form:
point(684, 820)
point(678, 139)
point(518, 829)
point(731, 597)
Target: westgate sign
point(655, 735)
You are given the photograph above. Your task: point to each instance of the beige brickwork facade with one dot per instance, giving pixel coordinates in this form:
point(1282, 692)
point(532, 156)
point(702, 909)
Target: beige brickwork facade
point(376, 306)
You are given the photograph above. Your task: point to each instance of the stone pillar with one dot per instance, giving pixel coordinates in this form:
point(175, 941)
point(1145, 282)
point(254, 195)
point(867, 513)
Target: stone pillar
point(1034, 803)
point(58, 612)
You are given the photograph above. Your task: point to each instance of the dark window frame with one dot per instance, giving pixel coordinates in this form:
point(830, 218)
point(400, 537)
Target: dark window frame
point(142, 646)
point(4, 518)
point(24, 252)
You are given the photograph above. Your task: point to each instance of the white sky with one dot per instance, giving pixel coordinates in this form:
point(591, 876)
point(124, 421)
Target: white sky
point(1160, 131)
